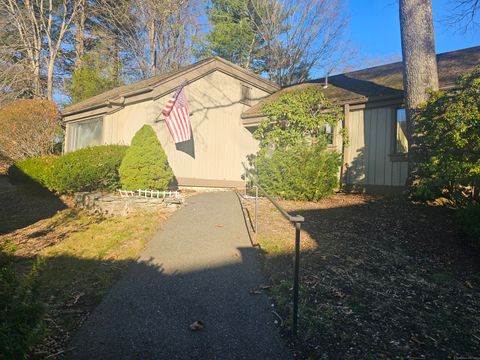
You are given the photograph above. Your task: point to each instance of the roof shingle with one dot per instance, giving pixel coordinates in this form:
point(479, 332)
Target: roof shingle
point(385, 81)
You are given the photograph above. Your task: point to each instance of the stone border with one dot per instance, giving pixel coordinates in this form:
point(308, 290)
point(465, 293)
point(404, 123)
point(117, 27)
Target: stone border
point(115, 205)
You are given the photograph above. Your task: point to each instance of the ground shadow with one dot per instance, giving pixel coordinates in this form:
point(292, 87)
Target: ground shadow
point(355, 173)
point(148, 312)
point(384, 266)
point(24, 204)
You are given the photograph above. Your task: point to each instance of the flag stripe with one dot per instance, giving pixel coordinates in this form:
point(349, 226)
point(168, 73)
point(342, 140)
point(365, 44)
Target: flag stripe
point(178, 123)
point(182, 114)
point(177, 117)
point(175, 126)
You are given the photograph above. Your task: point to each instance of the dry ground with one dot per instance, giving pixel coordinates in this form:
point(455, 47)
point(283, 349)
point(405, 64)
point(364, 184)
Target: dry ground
point(380, 278)
point(82, 255)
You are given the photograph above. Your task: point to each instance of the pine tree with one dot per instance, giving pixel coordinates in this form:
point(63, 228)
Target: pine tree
point(94, 76)
point(232, 36)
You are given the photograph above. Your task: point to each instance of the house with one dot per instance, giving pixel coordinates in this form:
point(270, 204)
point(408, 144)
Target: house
point(218, 93)
point(225, 105)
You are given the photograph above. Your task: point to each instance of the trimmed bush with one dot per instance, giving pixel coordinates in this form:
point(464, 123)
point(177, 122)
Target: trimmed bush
point(90, 169)
point(37, 169)
point(299, 172)
point(29, 128)
point(21, 310)
point(145, 165)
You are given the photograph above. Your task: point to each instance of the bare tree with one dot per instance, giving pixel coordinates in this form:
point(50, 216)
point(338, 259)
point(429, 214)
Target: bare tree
point(158, 36)
point(16, 78)
point(419, 66)
point(41, 26)
point(55, 23)
point(23, 17)
point(464, 14)
point(299, 36)
point(80, 32)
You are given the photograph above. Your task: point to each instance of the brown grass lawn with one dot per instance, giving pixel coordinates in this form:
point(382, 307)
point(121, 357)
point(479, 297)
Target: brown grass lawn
point(83, 255)
point(380, 278)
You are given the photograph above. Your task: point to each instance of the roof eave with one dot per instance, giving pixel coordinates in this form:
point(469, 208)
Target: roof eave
point(350, 101)
point(268, 86)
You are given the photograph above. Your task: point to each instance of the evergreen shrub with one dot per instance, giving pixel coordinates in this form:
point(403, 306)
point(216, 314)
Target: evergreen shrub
point(89, 169)
point(298, 172)
point(145, 165)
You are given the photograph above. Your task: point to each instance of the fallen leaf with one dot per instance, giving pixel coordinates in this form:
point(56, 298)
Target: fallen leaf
point(197, 325)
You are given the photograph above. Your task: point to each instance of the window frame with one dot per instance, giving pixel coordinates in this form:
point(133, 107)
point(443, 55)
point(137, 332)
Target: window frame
point(333, 138)
point(394, 154)
point(72, 133)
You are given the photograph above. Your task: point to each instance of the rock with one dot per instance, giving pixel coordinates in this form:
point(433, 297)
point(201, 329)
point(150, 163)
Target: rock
point(113, 205)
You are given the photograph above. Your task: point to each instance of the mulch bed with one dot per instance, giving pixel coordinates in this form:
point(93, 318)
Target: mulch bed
point(381, 278)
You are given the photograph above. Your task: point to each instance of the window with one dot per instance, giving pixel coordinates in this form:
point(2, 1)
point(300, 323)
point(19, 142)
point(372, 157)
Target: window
point(329, 133)
point(401, 142)
point(246, 95)
point(85, 133)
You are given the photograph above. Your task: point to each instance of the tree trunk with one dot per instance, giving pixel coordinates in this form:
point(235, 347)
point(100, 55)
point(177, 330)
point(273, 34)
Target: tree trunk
point(50, 70)
point(153, 48)
point(419, 68)
point(80, 34)
point(37, 86)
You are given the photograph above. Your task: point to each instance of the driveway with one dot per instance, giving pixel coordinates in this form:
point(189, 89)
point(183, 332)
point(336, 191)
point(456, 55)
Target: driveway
point(200, 266)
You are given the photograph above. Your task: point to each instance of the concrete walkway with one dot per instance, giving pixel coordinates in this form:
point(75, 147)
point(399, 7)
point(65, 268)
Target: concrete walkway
point(200, 266)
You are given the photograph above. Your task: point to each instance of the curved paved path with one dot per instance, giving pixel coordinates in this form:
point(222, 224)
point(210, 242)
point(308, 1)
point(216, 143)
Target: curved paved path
point(199, 266)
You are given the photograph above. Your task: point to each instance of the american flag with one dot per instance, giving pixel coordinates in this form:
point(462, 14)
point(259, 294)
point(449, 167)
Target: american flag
point(177, 118)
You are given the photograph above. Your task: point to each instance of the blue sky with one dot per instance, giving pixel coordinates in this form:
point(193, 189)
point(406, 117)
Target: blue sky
point(375, 30)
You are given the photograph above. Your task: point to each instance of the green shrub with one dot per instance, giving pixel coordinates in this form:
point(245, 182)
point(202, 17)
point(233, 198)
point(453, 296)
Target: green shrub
point(449, 124)
point(469, 219)
point(21, 311)
point(145, 165)
point(90, 169)
point(37, 169)
point(301, 116)
point(299, 172)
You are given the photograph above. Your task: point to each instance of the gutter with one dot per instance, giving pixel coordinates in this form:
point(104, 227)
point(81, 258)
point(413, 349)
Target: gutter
point(351, 101)
point(110, 102)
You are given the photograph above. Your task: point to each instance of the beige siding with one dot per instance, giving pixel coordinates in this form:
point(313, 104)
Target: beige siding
point(221, 142)
point(371, 143)
point(121, 126)
point(355, 151)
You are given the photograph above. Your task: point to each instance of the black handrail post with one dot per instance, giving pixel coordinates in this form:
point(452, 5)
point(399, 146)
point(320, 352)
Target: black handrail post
point(295, 277)
point(297, 220)
point(256, 209)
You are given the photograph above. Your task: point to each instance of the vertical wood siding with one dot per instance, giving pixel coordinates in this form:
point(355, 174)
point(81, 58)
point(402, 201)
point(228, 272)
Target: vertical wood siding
point(371, 143)
point(220, 143)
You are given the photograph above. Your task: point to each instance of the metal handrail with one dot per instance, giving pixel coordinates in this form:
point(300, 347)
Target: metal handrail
point(297, 220)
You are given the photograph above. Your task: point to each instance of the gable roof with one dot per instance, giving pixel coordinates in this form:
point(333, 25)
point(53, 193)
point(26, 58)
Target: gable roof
point(379, 82)
point(200, 69)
